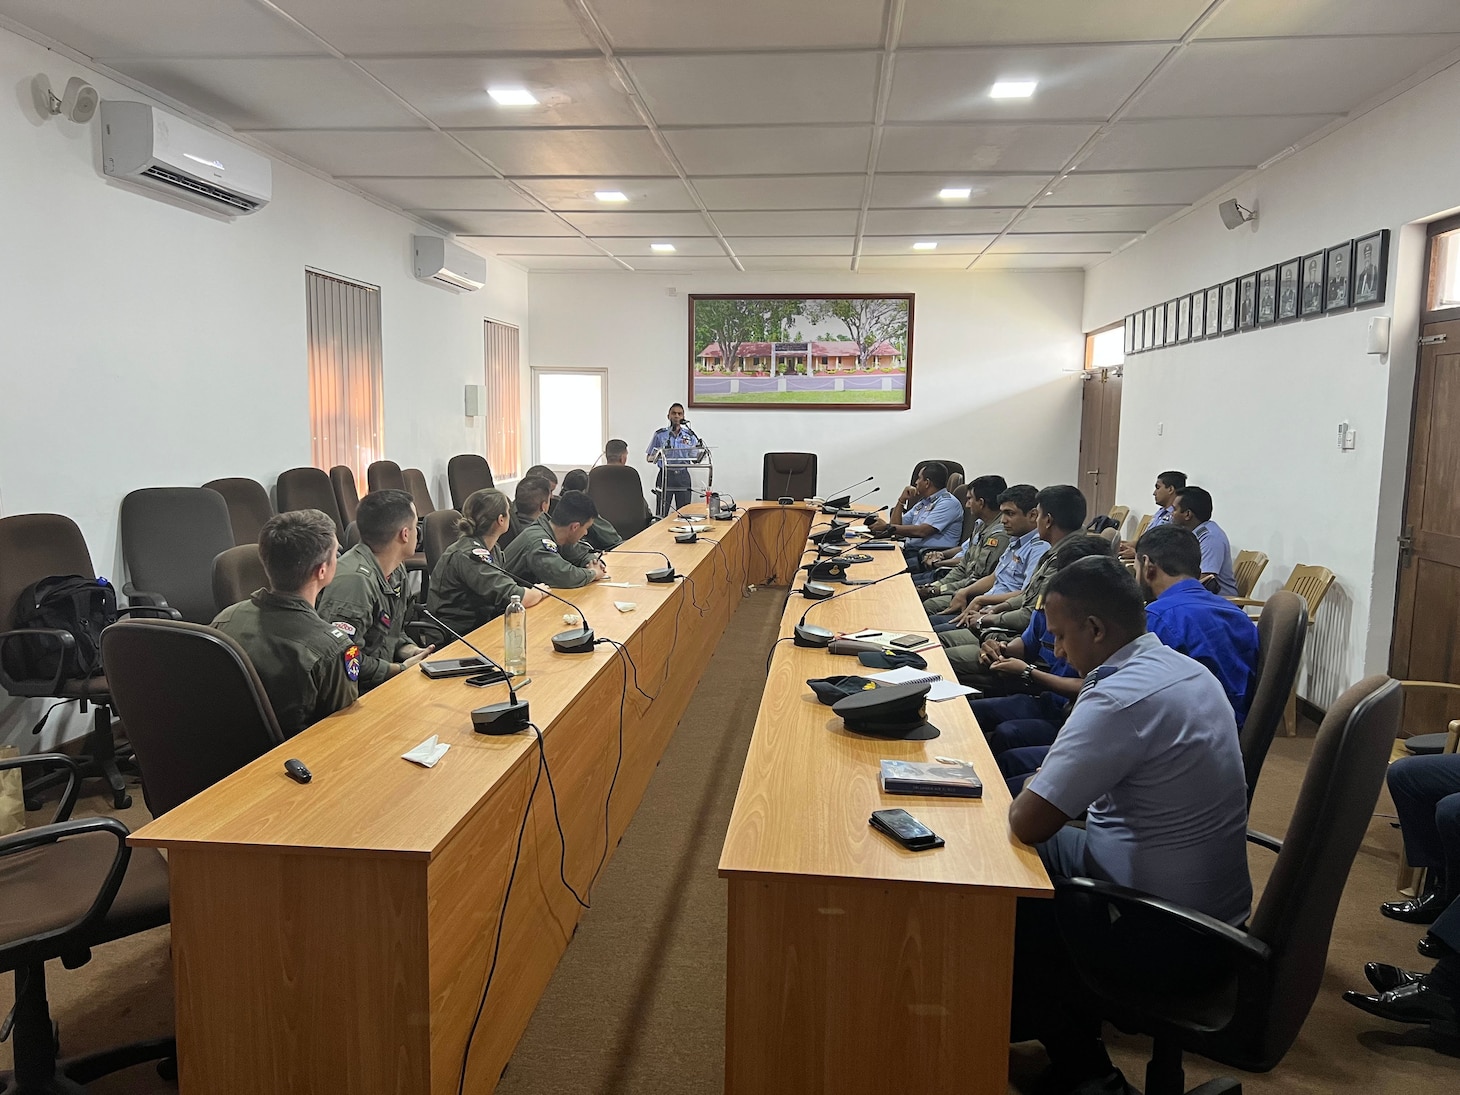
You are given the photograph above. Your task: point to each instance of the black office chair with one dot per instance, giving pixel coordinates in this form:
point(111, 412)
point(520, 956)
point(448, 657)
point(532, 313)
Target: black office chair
point(347, 497)
point(618, 492)
point(788, 474)
point(194, 707)
point(1197, 985)
point(170, 537)
point(308, 488)
point(466, 474)
point(65, 888)
point(248, 507)
point(951, 465)
point(438, 535)
point(420, 492)
point(1282, 630)
point(237, 573)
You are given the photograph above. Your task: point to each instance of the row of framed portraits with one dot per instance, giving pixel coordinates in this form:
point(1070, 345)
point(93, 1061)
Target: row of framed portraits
point(1347, 275)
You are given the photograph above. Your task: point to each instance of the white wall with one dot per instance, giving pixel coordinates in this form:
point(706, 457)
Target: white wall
point(1254, 417)
point(151, 345)
point(988, 386)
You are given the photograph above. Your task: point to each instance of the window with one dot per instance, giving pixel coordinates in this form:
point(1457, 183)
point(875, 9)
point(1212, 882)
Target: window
point(1105, 349)
point(504, 400)
point(1445, 270)
point(569, 416)
point(346, 386)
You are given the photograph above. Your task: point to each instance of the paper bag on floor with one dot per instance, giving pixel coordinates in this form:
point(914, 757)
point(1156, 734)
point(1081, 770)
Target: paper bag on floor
point(12, 797)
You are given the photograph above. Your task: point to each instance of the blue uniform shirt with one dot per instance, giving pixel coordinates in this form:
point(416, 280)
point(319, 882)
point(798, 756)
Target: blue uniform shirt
point(675, 446)
point(1018, 562)
point(1036, 638)
point(1212, 630)
point(1151, 749)
point(1163, 517)
point(1216, 556)
point(944, 513)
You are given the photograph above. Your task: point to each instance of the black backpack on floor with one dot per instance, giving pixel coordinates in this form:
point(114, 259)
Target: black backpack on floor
point(66, 602)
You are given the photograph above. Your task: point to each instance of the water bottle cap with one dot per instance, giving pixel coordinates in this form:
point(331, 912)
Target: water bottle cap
point(516, 599)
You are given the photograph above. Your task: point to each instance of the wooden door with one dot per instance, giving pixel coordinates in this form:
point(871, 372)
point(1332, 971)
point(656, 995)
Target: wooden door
point(1099, 440)
point(1427, 614)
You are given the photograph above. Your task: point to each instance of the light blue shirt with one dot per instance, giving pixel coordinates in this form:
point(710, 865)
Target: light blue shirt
point(674, 445)
point(1216, 556)
point(1163, 517)
point(1151, 750)
point(1016, 565)
point(943, 512)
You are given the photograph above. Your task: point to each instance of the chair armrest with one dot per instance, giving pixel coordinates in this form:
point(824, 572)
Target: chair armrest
point(56, 760)
point(139, 599)
point(1071, 894)
point(150, 612)
point(65, 639)
point(28, 839)
point(1429, 686)
point(1262, 840)
point(1247, 602)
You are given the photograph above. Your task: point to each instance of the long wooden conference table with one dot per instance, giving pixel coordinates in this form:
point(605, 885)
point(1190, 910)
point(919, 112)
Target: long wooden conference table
point(338, 936)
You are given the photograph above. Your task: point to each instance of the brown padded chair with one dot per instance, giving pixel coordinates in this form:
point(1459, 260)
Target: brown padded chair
point(66, 887)
point(347, 497)
point(788, 474)
point(237, 573)
point(618, 492)
point(1282, 630)
point(439, 534)
point(170, 537)
point(1201, 986)
point(248, 507)
point(308, 488)
point(385, 475)
point(420, 492)
point(194, 707)
point(466, 474)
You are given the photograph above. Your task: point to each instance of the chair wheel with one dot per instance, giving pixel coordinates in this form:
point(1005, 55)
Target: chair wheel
point(121, 800)
point(167, 1069)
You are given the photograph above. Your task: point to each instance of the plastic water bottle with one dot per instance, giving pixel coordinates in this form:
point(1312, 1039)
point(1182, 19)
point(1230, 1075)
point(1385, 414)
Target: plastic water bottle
point(514, 637)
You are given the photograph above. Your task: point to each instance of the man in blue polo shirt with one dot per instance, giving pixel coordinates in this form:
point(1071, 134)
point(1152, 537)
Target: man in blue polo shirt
point(1193, 510)
point(1017, 507)
point(1168, 485)
point(926, 516)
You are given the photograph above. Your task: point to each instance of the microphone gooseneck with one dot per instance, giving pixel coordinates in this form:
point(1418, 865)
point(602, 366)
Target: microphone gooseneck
point(578, 641)
point(843, 496)
point(495, 718)
point(811, 635)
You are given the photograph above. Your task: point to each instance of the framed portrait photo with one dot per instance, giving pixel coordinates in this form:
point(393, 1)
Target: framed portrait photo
point(1337, 283)
point(1247, 302)
point(1138, 332)
point(1287, 307)
point(1198, 315)
point(1151, 329)
point(1171, 323)
point(1229, 307)
point(1183, 320)
point(1310, 289)
point(1214, 311)
point(1130, 329)
point(1159, 339)
point(1371, 267)
point(1267, 296)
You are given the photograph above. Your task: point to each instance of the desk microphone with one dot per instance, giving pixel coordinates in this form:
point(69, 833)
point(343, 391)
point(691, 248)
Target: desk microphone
point(811, 635)
point(845, 494)
point(495, 718)
point(842, 510)
point(580, 640)
point(661, 575)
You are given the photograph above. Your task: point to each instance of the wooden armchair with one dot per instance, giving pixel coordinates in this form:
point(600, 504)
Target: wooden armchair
point(1311, 583)
point(1247, 569)
point(1141, 526)
point(1118, 514)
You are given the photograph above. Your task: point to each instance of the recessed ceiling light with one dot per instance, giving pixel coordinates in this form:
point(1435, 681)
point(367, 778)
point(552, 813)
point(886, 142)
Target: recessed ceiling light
point(610, 195)
point(952, 192)
point(925, 246)
point(512, 96)
point(661, 247)
point(1013, 89)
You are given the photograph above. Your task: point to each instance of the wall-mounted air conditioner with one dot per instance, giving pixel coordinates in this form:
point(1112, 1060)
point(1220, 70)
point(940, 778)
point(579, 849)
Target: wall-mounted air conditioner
point(444, 263)
point(147, 146)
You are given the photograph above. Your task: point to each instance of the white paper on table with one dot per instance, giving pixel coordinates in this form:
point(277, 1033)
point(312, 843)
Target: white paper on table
point(940, 690)
point(691, 528)
point(625, 606)
point(427, 753)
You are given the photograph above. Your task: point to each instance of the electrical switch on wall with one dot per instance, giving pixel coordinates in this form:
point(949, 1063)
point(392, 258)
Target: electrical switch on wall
point(1347, 438)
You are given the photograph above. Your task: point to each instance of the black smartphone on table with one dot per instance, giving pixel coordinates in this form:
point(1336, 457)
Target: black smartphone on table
point(907, 830)
point(453, 667)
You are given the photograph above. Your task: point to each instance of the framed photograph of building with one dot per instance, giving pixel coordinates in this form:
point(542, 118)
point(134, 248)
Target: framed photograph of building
point(1198, 315)
point(1371, 267)
point(1337, 287)
point(1311, 291)
point(1229, 307)
point(1214, 311)
point(1183, 319)
point(1288, 289)
point(1267, 296)
point(804, 352)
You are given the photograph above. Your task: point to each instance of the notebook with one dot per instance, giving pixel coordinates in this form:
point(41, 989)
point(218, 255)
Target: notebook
point(906, 777)
point(940, 690)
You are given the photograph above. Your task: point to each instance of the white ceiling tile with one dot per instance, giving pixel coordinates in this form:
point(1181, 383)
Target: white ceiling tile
point(376, 152)
point(1262, 77)
point(1092, 218)
point(1075, 82)
point(837, 222)
point(975, 22)
point(905, 191)
point(758, 263)
point(1196, 142)
point(152, 28)
point(947, 245)
point(679, 264)
point(1036, 262)
point(930, 261)
point(444, 193)
point(791, 245)
point(643, 194)
point(747, 24)
point(1140, 187)
point(666, 225)
point(751, 88)
point(514, 246)
point(445, 26)
point(931, 222)
point(771, 150)
point(452, 91)
point(783, 192)
point(471, 222)
point(1033, 147)
point(546, 151)
point(1263, 18)
point(1062, 243)
point(270, 93)
point(556, 263)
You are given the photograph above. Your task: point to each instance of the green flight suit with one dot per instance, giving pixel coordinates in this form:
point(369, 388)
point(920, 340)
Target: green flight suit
point(364, 603)
point(987, 546)
point(602, 535)
point(536, 557)
point(466, 590)
point(307, 667)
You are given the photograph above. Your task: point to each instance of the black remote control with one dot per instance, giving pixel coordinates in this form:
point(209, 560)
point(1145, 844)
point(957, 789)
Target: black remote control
point(297, 771)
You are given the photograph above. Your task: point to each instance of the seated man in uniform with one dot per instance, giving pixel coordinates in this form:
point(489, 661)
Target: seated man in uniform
point(370, 597)
point(616, 452)
point(1022, 553)
point(551, 550)
point(307, 667)
point(1150, 750)
point(534, 495)
point(977, 555)
point(925, 515)
point(469, 586)
point(1168, 485)
point(602, 536)
point(542, 471)
point(1193, 510)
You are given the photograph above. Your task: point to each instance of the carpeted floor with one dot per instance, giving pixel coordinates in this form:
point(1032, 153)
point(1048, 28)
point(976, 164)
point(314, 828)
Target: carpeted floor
point(637, 1003)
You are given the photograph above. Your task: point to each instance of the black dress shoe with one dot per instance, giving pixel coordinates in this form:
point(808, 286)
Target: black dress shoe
point(1432, 946)
point(1419, 910)
point(1412, 1003)
point(1385, 977)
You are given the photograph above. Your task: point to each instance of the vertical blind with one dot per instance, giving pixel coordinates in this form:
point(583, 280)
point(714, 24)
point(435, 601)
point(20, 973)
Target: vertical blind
point(346, 388)
point(504, 401)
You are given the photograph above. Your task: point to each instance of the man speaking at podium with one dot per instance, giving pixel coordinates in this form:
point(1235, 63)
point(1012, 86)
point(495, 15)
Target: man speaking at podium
point(679, 446)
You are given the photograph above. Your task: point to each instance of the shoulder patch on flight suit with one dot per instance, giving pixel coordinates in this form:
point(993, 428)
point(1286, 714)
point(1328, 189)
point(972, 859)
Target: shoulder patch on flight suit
point(351, 656)
point(337, 633)
point(992, 541)
point(342, 629)
point(483, 554)
point(385, 619)
point(550, 544)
